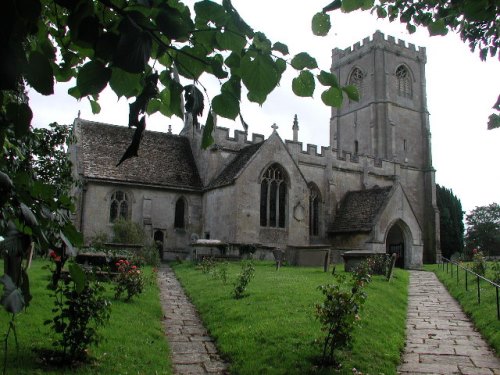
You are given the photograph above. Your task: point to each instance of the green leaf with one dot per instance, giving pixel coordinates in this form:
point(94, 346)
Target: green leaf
point(260, 76)
point(78, 276)
point(124, 83)
point(332, 97)
point(12, 298)
point(280, 47)
point(39, 73)
point(303, 85)
point(328, 79)
point(437, 28)
point(207, 139)
point(70, 232)
point(96, 108)
point(153, 106)
point(92, 78)
point(191, 62)
point(303, 60)
point(350, 5)
point(352, 92)
point(493, 121)
point(261, 42)
point(133, 49)
point(411, 28)
point(75, 92)
point(21, 115)
point(173, 23)
point(381, 12)
point(209, 11)
point(233, 86)
point(321, 24)
point(226, 105)
point(230, 40)
point(233, 61)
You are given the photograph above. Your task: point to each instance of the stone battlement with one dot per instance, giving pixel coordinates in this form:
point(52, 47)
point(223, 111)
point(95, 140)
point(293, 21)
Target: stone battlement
point(378, 40)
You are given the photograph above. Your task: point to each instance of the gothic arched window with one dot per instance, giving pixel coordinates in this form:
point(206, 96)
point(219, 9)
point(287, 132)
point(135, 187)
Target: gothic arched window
point(180, 212)
point(273, 200)
point(356, 79)
point(119, 208)
point(404, 81)
point(314, 203)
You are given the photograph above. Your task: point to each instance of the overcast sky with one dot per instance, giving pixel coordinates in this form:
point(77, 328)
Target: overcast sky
point(461, 90)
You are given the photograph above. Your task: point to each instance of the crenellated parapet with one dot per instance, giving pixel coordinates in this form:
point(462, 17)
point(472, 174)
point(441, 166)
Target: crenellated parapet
point(378, 40)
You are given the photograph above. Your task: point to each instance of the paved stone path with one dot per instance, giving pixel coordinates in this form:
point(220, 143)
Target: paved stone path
point(440, 337)
point(193, 350)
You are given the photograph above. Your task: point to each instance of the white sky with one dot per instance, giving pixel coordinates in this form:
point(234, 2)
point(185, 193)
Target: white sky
point(461, 90)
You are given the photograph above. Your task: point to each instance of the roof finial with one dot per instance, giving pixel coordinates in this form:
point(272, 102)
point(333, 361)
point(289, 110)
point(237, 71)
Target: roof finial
point(170, 129)
point(79, 113)
point(274, 126)
point(295, 129)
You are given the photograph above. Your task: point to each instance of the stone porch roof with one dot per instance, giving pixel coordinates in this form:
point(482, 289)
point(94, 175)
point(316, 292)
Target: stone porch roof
point(233, 169)
point(164, 159)
point(359, 209)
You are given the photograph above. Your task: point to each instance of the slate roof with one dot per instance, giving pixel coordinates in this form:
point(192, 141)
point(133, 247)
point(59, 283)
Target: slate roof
point(232, 170)
point(164, 159)
point(359, 209)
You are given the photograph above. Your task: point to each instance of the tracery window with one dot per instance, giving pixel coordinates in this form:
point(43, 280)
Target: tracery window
point(180, 211)
point(119, 208)
point(314, 203)
point(273, 200)
point(404, 81)
point(356, 79)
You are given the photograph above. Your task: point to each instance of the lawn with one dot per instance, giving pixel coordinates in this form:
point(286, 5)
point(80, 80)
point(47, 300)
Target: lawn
point(483, 315)
point(273, 329)
point(134, 342)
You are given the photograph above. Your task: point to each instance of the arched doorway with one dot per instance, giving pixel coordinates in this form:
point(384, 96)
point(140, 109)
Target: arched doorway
point(158, 239)
point(395, 243)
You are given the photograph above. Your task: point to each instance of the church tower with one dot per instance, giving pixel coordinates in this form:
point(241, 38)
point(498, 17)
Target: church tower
point(390, 121)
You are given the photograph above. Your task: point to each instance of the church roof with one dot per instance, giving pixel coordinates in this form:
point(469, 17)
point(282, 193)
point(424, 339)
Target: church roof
point(164, 159)
point(358, 210)
point(233, 169)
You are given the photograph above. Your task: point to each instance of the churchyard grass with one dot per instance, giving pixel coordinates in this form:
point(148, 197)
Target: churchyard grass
point(484, 315)
point(133, 340)
point(273, 329)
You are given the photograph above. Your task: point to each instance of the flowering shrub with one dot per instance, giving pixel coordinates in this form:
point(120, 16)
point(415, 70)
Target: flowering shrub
point(478, 262)
point(130, 279)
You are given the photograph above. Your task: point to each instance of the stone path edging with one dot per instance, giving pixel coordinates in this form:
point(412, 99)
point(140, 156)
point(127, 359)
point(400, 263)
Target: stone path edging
point(440, 337)
point(193, 350)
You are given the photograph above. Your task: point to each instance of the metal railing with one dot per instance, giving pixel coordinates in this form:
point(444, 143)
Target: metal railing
point(452, 265)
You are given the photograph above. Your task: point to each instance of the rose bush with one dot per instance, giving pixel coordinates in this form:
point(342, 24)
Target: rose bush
point(130, 279)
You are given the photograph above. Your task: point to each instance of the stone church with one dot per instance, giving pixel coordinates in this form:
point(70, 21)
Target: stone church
point(371, 190)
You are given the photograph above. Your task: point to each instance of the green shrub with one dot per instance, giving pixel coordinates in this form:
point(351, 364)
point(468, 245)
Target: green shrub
point(80, 309)
point(98, 241)
point(243, 279)
point(206, 265)
point(478, 262)
point(128, 232)
point(219, 271)
point(150, 256)
point(496, 272)
point(130, 280)
point(338, 314)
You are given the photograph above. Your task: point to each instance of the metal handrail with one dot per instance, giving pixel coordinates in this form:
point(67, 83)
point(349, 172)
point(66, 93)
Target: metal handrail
point(478, 277)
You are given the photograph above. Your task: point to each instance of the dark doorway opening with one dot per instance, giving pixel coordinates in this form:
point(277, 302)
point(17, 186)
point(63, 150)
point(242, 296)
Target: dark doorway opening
point(158, 239)
point(395, 243)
